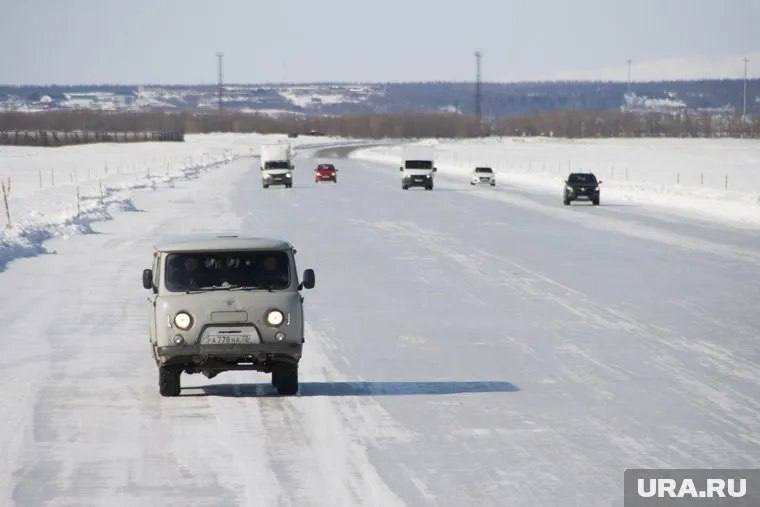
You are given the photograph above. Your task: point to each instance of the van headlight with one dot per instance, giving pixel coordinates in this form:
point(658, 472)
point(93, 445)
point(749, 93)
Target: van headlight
point(183, 320)
point(288, 175)
point(275, 318)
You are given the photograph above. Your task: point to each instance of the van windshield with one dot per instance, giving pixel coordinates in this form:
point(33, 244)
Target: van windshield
point(276, 164)
point(419, 164)
point(223, 270)
point(483, 170)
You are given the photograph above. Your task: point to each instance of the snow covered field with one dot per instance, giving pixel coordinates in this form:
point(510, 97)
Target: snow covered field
point(466, 346)
point(708, 178)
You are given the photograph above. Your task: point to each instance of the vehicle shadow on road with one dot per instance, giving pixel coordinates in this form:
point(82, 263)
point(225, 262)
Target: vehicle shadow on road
point(356, 389)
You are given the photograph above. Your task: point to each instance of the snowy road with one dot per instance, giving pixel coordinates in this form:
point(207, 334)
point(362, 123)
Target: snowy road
point(464, 346)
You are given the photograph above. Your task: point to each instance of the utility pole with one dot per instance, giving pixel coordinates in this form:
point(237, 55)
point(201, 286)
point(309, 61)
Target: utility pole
point(629, 76)
point(220, 63)
point(478, 57)
point(744, 107)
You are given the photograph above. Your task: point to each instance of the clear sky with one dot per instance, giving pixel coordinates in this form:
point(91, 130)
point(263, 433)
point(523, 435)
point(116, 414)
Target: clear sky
point(174, 41)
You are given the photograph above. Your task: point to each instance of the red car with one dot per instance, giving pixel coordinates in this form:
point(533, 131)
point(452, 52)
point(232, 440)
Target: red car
point(325, 172)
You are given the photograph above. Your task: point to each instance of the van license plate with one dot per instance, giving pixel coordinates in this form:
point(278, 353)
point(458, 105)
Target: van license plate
point(226, 339)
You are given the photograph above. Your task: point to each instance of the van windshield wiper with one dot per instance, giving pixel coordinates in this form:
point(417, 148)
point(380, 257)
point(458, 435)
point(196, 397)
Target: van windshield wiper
point(270, 288)
point(212, 288)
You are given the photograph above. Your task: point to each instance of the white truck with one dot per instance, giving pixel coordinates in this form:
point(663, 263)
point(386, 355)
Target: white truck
point(418, 166)
point(276, 166)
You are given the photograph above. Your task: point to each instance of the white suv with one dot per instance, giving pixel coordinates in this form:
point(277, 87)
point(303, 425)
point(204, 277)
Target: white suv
point(484, 176)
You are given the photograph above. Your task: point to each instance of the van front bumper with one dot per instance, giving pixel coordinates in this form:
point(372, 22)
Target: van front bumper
point(199, 354)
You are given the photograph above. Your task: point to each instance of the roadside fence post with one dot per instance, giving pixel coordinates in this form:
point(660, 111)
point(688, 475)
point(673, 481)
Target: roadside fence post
point(6, 188)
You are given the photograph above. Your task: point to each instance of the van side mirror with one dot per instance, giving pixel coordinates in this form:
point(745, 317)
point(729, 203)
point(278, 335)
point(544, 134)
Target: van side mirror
point(401, 169)
point(147, 278)
point(308, 279)
point(435, 169)
point(599, 182)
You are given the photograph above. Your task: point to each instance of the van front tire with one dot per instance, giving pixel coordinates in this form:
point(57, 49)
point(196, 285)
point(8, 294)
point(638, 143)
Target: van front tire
point(168, 380)
point(285, 379)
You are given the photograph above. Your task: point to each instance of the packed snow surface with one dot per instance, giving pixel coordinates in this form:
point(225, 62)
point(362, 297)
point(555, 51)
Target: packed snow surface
point(465, 346)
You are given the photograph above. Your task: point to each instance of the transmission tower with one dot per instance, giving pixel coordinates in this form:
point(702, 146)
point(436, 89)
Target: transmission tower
point(744, 107)
point(478, 111)
point(220, 70)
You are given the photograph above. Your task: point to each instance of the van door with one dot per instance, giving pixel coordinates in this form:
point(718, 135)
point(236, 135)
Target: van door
point(152, 299)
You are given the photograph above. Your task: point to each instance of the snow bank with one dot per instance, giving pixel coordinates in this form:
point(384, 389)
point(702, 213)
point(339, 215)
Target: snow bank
point(713, 179)
point(45, 182)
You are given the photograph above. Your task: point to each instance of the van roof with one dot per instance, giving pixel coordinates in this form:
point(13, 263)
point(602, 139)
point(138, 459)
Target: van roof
point(221, 243)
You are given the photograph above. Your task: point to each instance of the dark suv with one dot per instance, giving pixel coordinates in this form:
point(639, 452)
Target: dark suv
point(581, 187)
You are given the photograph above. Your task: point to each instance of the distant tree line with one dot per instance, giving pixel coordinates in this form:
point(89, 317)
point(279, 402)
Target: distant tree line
point(579, 124)
point(573, 124)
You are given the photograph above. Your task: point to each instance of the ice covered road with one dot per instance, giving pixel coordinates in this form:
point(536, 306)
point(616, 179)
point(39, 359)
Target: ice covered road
point(464, 347)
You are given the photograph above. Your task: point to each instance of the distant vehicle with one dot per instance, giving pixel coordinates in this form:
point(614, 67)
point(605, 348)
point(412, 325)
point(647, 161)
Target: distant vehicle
point(223, 304)
point(581, 187)
point(483, 176)
point(418, 167)
point(325, 172)
point(276, 167)
point(293, 135)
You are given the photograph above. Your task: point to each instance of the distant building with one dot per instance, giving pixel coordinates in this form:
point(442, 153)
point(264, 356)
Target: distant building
point(633, 103)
